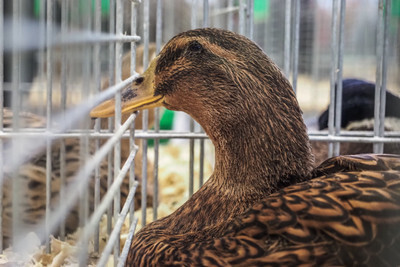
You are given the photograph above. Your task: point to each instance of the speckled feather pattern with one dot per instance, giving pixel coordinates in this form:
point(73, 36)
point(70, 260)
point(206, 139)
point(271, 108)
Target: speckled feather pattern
point(348, 215)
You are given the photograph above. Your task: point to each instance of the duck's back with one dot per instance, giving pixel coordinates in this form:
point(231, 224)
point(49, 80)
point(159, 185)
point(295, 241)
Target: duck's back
point(348, 214)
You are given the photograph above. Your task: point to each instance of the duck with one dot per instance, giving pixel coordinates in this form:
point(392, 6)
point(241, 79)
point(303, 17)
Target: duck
point(265, 204)
point(358, 115)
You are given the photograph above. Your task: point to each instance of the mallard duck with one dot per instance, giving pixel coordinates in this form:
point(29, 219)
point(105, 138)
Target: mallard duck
point(265, 203)
point(357, 115)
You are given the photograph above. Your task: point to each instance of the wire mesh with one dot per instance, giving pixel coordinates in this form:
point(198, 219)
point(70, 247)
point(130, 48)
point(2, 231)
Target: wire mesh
point(82, 55)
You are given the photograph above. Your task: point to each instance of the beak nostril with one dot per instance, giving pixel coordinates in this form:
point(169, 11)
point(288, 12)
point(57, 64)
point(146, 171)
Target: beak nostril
point(139, 80)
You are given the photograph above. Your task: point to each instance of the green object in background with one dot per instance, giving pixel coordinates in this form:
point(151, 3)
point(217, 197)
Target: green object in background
point(166, 123)
point(395, 8)
point(261, 9)
point(105, 7)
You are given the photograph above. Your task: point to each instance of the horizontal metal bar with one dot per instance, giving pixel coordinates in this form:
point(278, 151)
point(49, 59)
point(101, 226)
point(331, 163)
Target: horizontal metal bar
point(168, 134)
point(227, 10)
point(343, 139)
point(74, 38)
point(89, 38)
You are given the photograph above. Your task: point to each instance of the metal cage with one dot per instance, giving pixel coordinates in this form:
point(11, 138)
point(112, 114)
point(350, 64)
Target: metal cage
point(61, 58)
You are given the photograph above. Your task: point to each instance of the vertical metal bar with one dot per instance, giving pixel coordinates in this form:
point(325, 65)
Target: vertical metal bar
point(384, 72)
point(206, 18)
point(1, 119)
point(49, 67)
point(242, 15)
point(334, 48)
point(287, 40)
point(146, 21)
point(250, 19)
point(42, 41)
point(111, 69)
point(338, 109)
point(16, 222)
point(84, 139)
point(230, 16)
point(157, 115)
point(117, 149)
point(97, 81)
point(296, 41)
point(132, 128)
point(193, 17)
point(378, 148)
point(64, 20)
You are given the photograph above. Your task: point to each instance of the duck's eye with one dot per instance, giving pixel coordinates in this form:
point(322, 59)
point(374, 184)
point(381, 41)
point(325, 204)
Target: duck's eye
point(195, 46)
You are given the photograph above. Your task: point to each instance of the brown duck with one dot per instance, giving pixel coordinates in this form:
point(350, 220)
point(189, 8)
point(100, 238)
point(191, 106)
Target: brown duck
point(264, 204)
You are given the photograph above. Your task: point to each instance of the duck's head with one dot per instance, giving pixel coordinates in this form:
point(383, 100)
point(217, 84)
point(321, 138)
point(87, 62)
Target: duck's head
point(227, 84)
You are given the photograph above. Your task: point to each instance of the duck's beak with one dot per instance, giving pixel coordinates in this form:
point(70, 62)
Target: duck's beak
point(137, 96)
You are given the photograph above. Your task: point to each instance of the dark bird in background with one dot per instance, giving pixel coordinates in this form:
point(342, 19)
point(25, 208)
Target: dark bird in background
point(265, 204)
point(358, 104)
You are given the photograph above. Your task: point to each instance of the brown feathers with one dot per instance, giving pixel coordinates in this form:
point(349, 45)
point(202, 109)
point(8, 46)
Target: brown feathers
point(264, 204)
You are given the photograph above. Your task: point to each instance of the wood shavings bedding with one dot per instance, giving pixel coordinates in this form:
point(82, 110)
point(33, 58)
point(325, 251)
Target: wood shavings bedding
point(173, 192)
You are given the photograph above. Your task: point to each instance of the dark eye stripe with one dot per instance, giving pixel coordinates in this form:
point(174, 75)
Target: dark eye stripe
point(168, 58)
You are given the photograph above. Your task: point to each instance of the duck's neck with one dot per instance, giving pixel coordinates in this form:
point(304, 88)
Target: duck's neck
point(255, 156)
